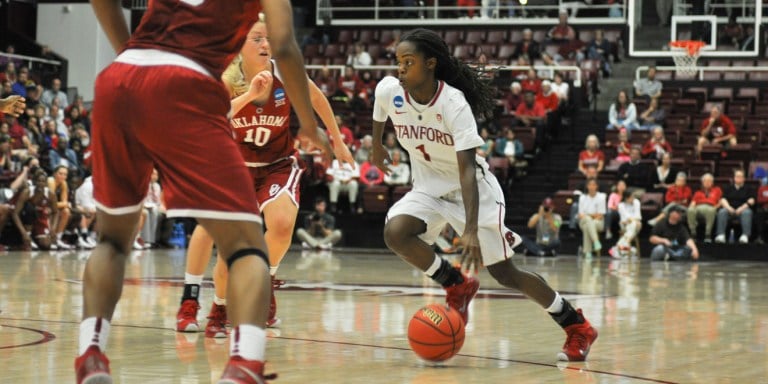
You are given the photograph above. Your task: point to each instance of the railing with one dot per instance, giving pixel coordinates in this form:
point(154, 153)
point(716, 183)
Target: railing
point(34, 62)
point(577, 78)
point(493, 14)
point(701, 69)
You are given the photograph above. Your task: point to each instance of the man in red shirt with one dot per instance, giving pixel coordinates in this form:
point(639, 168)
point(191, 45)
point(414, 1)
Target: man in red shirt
point(716, 129)
point(547, 98)
point(531, 113)
point(704, 203)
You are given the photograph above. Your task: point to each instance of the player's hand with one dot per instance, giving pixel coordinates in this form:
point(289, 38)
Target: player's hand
point(13, 105)
point(471, 257)
point(261, 85)
point(311, 139)
point(343, 155)
point(695, 254)
point(378, 156)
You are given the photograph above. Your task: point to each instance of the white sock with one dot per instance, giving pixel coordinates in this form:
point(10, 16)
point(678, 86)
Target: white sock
point(249, 342)
point(557, 304)
point(58, 236)
point(219, 301)
point(193, 279)
point(434, 267)
point(273, 270)
point(93, 331)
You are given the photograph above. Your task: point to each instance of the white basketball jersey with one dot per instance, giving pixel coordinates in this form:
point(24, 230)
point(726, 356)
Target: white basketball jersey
point(432, 133)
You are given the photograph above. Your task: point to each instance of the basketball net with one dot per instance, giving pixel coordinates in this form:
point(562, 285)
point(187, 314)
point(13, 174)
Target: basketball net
point(687, 55)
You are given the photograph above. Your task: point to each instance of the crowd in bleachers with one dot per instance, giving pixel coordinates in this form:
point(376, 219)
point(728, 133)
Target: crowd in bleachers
point(49, 143)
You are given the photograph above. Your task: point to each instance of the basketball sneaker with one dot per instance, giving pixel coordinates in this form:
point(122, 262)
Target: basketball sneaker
point(579, 341)
point(186, 318)
point(272, 320)
point(92, 367)
point(459, 296)
point(217, 322)
point(241, 371)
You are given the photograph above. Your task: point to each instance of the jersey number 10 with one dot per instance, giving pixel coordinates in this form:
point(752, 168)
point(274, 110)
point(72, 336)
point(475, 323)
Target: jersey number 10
point(258, 136)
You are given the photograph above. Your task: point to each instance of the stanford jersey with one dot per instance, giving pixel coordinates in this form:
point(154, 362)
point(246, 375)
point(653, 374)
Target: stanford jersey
point(209, 32)
point(262, 131)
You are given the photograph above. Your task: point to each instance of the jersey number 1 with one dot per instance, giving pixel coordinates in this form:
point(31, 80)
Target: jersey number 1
point(424, 152)
point(258, 136)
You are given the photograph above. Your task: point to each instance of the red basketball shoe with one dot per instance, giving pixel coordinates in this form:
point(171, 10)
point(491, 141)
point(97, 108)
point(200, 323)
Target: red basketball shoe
point(186, 318)
point(92, 367)
point(272, 320)
point(241, 371)
point(459, 296)
point(579, 341)
point(217, 322)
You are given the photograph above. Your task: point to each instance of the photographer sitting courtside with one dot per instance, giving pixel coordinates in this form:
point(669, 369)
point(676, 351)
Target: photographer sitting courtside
point(671, 239)
point(547, 224)
point(319, 228)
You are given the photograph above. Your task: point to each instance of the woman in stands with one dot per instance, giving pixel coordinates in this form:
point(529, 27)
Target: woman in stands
point(43, 203)
point(261, 125)
point(432, 104)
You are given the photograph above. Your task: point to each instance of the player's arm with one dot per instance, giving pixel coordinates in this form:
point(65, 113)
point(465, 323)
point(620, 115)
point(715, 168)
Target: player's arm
point(110, 16)
point(323, 108)
point(279, 16)
point(13, 105)
point(471, 255)
point(258, 92)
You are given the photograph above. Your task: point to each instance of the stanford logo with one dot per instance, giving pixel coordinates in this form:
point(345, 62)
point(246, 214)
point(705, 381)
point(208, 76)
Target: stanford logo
point(439, 118)
point(398, 101)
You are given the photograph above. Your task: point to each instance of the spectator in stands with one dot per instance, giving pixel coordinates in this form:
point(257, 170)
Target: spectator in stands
point(514, 98)
point(748, 42)
point(732, 34)
point(657, 145)
point(8, 162)
point(737, 201)
point(671, 239)
point(58, 184)
point(531, 82)
point(390, 143)
point(678, 194)
point(591, 218)
point(630, 221)
point(80, 133)
point(486, 149)
point(612, 211)
point(761, 210)
point(705, 203)
point(636, 173)
point(370, 174)
point(652, 117)
point(561, 88)
point(716, 129)
point(521, 75)
point(155, 210)
point(63, 156)
point(548, 98)
point(75, 117)
point(4, 60)
point(359, 57)
point(326, 82)
point(599, 49)
point(343, 178)
point(346, 132)
point(623, 114)
point(509, 147)
point(468, 8)
point(591, 156)
point(362, 153)
point(7, 89)
point(22, 82)
point(85, 206)
point(55, 115)
point(562, 32)
point(319, 228)
point(623, 148)
point(9, 74)
point(547, 224)
point(400, 172)
point(532, 114)
point(54, 92)
point(550, 62)
point(528, 47)
point(33, 96)
point(649, 87)
point(665, 176)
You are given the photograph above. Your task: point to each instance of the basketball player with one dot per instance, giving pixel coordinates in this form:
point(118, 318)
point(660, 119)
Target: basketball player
point(432, 105)
point(261, 123)
point(161, 105)
point(58, 185)
point(43, 201)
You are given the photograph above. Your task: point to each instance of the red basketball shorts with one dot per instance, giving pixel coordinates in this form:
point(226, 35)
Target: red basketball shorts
point(271, 181)
point(174, 119)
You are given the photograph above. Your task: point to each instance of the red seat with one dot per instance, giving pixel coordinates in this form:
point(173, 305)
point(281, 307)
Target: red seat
point(452, 37)
point(496, 37)
point(376, 199)
point(474, 37)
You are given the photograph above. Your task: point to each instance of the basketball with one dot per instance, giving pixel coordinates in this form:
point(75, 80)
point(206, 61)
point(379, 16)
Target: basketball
point(436, 332)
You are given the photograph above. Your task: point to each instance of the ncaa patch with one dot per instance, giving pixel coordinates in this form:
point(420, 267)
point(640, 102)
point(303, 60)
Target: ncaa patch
point(398, 101)
point(274, 189)
point(279, 97)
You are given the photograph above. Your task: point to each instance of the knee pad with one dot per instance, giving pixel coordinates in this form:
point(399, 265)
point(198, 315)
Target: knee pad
point(246, 252)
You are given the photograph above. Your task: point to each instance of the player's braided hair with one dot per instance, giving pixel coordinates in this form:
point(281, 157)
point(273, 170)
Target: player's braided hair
point(478, 92)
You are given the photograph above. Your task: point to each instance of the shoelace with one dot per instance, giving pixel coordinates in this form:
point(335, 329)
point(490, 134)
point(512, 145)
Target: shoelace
point(577, 338)
point(189, 309)
point(219, 314)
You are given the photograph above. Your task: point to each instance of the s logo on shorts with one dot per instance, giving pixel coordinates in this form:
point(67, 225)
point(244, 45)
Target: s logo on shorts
point(398, 101)
point(274, 189)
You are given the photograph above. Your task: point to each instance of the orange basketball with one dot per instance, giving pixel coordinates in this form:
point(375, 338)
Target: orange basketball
point(436, 332)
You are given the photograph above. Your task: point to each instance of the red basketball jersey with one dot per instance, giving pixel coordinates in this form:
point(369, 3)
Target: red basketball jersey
point(262, 131)
point(209, 32)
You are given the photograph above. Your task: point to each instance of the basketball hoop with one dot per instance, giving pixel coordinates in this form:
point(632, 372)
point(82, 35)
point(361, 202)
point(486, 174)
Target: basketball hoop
point(687, 54)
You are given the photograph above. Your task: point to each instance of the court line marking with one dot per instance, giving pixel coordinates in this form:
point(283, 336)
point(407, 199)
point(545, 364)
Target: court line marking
point(573, 368)
point(47, 337)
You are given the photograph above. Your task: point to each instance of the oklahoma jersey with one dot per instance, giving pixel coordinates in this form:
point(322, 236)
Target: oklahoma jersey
point(209, 32)
point(262, 131)
point(432, 133)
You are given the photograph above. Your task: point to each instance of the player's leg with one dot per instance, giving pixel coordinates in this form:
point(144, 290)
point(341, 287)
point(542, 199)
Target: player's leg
point(198, 257)
point(280, 218)
point(62, 220)
point(413, 224)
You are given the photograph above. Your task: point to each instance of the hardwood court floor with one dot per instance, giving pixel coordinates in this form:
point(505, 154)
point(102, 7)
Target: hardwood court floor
point(345, 317)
